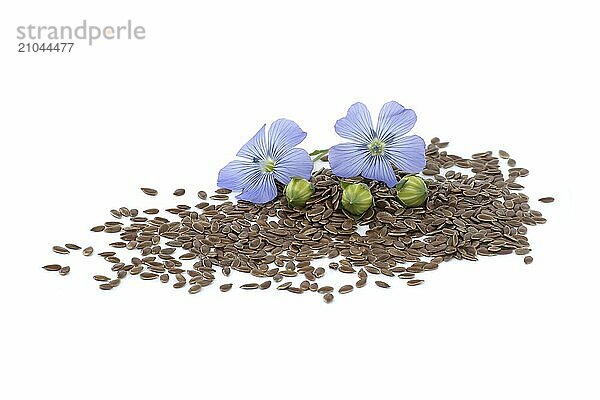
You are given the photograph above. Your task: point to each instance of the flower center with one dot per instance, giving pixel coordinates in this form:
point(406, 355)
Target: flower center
point(267, 166)
point(376, 147)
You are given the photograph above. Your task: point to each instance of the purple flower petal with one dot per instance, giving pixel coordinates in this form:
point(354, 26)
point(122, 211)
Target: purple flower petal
point(294, 163)
point(356, 125)
point(237, 174)
point(348, 159)
point(284, 135)
point(407, 153)
point(260, 190)
point(256, 148)
point(380, 169)
point(394, 121)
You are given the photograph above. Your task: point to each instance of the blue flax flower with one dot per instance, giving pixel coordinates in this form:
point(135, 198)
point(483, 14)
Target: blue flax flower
point(267, 158)
point(372, 152)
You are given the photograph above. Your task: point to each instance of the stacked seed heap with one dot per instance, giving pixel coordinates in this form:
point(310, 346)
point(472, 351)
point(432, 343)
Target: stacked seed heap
point(465, 216)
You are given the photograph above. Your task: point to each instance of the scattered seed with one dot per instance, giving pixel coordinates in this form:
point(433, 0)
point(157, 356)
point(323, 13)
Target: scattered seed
point(546, 199)
point(150, 192)
point(346, 289)
point(116, 213)
point(328, 298)
point(249, 286)
point(226, 287)
point(179, 192)
point(88, 251)
point(148, 276)
point(64, 270)
point(284, 286)
point(136, 270)
point(382, 284)
point(194, 289)
point(52, 267)
point(528, 260)
point(60, 250)
point(112, 229)
point(101, 278)
point(265, 285)
point(72, 246)
point(414, 282)
point(346, 269)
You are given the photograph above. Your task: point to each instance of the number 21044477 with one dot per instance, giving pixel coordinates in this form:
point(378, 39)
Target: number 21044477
point(35, 47)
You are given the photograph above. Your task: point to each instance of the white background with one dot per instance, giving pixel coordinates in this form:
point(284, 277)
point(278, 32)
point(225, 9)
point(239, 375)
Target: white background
point(81, 132)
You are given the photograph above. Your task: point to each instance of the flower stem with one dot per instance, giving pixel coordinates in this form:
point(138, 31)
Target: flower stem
point(319, 154)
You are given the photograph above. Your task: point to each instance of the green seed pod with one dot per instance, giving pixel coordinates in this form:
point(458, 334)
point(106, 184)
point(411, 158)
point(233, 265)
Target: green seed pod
point(412, 191)
point(356, 198)
point(298, 191)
